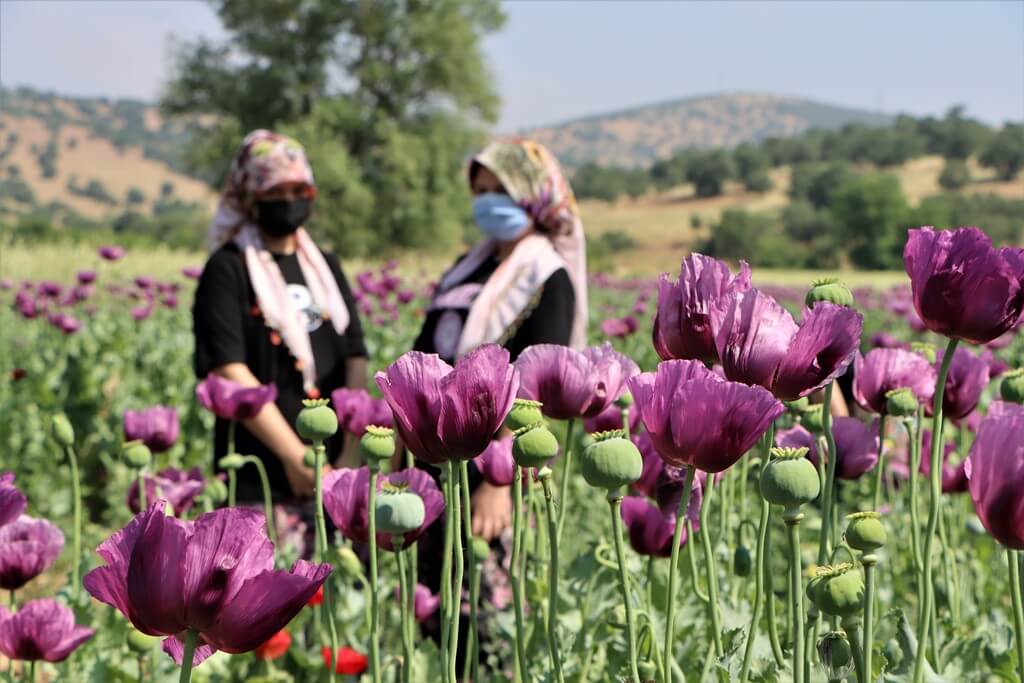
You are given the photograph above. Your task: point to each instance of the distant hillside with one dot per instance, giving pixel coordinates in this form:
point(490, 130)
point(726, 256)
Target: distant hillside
point(638, 136)
point(93, 156)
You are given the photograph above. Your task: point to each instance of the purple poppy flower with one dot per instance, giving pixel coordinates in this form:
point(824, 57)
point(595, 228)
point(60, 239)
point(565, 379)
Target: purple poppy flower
point(651, 527)
point(144, 282)
point(571, 383)
point(178, 487)
point(214, 575)
point(357, 410)
point(28, 547)
point(996, 367)
point(67, 324)
point(445, 414)
point(6, 283)
point(968, 376)
point(86, 277)
point(231, 400)
point(425, 603)
point(169, 301)
point(156, 426)
point(12, 501)
point(82, 293)
point(856, 445)
point(962, 287)
point(682, 325)
point(406, 296)
point(883, 370)
point(885, 340)
point(142, 312)
point(995, 475)
point(495, 463)
point(41, 629)
point(192, 272)
point(110, 252)
point(695, 418)
point(759, 343)
point(619, 328)
point(610, 418)
point(50, 289)
point(954, 475)
point(346, 494)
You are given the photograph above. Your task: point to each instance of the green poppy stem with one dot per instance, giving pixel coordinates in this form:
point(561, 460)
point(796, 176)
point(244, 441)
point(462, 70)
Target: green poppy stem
point(371, 518)
point(446, 561)
point(1013, 560)
point(405, 591)
point(869, 561)
point(691, 556)
point(934, 508)
point(140, 479)
point(470, 669)
point(762, 534)
point(673, 571)
point(191, 638)
point(473, 649)
point(615, 505)
point(459, 569)
point(76, 502)
point(321, 547)
point(563, 488)
point(232, 488)
point(554, 644)
point(876, 496)
point(852, 628)
point(769, 597)
point(268, 501)
point(517, 593)
point(625, 421)
point(796, 592)
point(825, 541)
point(710, 567)
point(915, 467)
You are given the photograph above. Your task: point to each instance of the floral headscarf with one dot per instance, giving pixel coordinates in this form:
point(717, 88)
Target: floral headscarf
point(266, 161)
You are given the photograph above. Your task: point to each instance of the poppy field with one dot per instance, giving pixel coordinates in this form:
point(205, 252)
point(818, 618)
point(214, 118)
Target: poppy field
point(682, 507)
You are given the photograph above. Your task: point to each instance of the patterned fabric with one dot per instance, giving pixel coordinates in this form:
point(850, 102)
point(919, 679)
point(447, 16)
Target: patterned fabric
point(533, 178)
point(266, 161)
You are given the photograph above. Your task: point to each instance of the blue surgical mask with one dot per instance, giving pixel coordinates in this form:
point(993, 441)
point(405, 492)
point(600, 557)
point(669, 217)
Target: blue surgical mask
point(499, 217)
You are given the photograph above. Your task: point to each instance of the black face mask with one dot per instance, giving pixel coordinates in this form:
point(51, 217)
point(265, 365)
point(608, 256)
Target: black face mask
point(282, 217)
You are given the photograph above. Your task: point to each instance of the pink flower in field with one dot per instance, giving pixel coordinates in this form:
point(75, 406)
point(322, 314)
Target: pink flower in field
point(496, 464)
point(156, 426)
point(995, 474)
point(619, 327)
point(884, 370)
point(178, 487)
point(425, 603)
point(12, 501)
point(192, 272)
point(86, 277)
point(41, 630)
point(28, 547)
point(110, 252)
point(233, 401)
point(357, 410)
point(571, 383)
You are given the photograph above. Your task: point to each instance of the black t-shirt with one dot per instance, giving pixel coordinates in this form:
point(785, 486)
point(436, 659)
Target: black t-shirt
point(547, 320)
point(230, 329)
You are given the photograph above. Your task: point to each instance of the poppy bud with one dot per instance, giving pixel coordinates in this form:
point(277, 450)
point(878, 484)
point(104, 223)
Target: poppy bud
point(216, 490)
point(924, 349)
point(742, 562)
point(865, 532)
point(811, 419)
point(836, 655)
point(624, 401)
point(398, 510)
point(612, 461)
point(533, 445)
point(309, 458)
point(140, 643)
point(62, 430)
point(231, 462)
point(829, 289)
point(316, 421)
point(136, 454)
point(841, 590)
point(647, 670)
point(790, 479)
point(900, 402)
point(798, 406)
point(523, 414)
point(347, 561)
point(377, 445)
point(1012, 387)
point(481, 549)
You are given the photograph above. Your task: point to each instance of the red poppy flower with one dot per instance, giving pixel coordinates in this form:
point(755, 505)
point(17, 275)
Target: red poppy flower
point(350, 662)
point(18, 374)
point(317, 598)
point(275, 646)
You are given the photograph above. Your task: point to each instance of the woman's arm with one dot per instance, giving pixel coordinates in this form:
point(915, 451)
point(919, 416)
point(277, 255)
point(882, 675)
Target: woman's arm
point(270, 427)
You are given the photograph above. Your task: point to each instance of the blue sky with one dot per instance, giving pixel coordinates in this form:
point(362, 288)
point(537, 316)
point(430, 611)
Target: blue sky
point(556, 60)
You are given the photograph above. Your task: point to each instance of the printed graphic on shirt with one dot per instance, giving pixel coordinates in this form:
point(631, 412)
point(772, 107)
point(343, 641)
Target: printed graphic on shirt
point(309, 313)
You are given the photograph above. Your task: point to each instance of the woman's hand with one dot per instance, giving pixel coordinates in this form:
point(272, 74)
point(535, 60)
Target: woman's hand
point(300, 477)
point(492, 510)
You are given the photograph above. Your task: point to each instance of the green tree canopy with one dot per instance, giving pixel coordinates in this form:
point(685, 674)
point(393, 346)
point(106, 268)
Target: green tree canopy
point(1005, 153)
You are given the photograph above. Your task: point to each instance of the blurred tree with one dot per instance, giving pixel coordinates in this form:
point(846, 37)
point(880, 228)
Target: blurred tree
point(668, 173)
point(870, 213)
point(395, 91)
point(818, 182)
point(955, 174)
point(752, 166)
point(708, 172)
point(592, 180)
point(1005, 153)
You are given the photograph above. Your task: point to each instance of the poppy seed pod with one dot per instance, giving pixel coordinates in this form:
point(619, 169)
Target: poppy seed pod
point(840, 593)
point(811, 419)
point(798, 406)
point(625, 400)
point(377, 445)
point(231, 462)
point(865, 531)
point(835, 654)
point(62, 430)
point(829, 289)
point(216, 490)
point(140, 643)
point(316, 421)
point(533, 445)
point(900, 403)
point(611, 461)
point(924, 349)
point(309, 457)
point(790, 479)
point(136, 454)
point(481, 549)
point(1012, 387)
point(742, 562)
point(523, 414)
point(398, 510)
point(347, 561)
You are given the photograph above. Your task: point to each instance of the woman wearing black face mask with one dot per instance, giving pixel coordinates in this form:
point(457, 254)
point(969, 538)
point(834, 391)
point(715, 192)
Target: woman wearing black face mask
point(271, 308)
